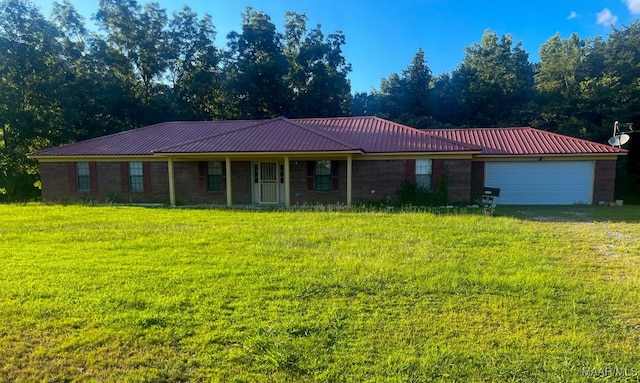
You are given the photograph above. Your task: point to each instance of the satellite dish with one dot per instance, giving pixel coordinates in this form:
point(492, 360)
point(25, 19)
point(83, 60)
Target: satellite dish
point(619, 140)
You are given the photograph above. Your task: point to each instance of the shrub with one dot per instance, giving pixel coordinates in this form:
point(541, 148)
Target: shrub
point(411, 194)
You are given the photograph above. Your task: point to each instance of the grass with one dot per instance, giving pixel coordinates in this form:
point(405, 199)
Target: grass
point(151, 295)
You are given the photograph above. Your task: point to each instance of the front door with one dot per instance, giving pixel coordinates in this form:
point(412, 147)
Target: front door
point(268, 183)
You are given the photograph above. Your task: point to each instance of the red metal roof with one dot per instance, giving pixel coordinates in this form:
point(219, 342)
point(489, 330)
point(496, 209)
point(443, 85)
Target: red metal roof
point(143, 141)
point(365, 134)
point(277, 135)
point(348, 134)
point(524, 141)
point(376, 135)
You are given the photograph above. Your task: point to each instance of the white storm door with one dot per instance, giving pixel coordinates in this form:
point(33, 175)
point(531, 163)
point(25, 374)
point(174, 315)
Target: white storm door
point(268, 182)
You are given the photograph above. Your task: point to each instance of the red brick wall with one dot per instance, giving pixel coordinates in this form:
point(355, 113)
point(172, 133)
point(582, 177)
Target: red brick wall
point(55, 184)
point(187, 181)
point(459, 175)
point(604, 181)
point(300, 195)
point(477, 181)
point(241, 186)
point(186, 176)
point(372, 181)
point(112, 180)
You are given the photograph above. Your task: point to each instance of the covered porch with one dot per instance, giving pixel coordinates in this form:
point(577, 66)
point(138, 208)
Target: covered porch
point(268, 179)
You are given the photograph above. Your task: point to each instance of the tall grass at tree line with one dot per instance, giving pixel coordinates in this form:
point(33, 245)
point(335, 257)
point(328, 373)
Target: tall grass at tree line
point(136, 294)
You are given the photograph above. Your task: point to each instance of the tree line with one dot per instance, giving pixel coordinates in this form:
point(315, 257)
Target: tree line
point(63, 80)
point(579, 87)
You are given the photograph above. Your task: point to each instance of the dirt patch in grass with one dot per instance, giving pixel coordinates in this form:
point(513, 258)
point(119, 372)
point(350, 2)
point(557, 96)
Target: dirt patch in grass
point(574, 213)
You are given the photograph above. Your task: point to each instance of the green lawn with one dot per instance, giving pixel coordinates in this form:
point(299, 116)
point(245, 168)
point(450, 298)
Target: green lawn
point(136, 294)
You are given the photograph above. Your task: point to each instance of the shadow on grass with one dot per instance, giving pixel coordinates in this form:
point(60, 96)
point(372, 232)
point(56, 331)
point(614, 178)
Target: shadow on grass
point(572, 213)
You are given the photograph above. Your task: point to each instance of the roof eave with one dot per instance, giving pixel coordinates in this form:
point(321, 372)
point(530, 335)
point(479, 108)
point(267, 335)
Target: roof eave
point(433, 154)
point(257, 154)
point(583, 156)
point(95, 157)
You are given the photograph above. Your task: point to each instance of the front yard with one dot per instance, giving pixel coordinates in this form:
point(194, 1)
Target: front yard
point(140, 294)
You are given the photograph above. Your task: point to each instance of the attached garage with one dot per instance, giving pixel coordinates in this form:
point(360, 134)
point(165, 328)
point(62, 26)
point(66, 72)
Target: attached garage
point(541, 182)
point(535, 167)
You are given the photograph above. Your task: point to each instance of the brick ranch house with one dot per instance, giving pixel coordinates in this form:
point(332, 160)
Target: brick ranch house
point(343, 160)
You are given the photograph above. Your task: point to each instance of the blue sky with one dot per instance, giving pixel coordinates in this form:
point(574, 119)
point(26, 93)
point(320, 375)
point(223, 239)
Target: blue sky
point(383, 36)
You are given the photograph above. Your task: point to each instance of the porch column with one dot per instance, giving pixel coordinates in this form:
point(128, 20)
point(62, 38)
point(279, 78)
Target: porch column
point(287, 183)
point(227, 162)
point(172, 183)
point(349, 172)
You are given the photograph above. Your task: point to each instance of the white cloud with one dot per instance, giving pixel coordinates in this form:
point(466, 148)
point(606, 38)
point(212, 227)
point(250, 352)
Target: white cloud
point(573, 14)
point(634, 6)
point(606, 18)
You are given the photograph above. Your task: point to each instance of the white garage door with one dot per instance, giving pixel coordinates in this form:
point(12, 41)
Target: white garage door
point(541, 183)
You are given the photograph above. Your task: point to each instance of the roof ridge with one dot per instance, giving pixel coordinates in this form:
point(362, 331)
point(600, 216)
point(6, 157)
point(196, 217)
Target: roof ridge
point(409, 128)
point(483, 128)
point(250, 125)
point(320, 133)
point(425, 131)
point(446, 139)
point(253, 125)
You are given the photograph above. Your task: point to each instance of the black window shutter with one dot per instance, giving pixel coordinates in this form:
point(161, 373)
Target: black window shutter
point(311, 175)
point(71, 170)
point(335, 176)
point(410, 170)
point(224, 175)
point(93, 176)
point(202, 175)
point(124, 176)
point(146, 176)
point(436, 170)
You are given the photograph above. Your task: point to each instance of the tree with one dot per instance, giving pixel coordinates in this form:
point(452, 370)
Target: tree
point(318, 70)
point(328, 92)
point(392, 94)
point(141, 52)
point(495, 82)
point(558, 82)
point(366, 104)
point(444, 101)
point(406, 98)
point(622, 61)
point(417, 78)
point(196, 71)
point(95, 101)
point(32, 79)
point(255, 70)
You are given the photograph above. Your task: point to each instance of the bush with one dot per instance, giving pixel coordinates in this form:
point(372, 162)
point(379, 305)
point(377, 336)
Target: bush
point(411, 194)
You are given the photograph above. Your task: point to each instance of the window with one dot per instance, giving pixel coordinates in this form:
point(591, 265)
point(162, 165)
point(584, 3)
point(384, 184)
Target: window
point(214, 176)
point(424, 170)
point(136, 179)
point(323, 175)
point(83, 176)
